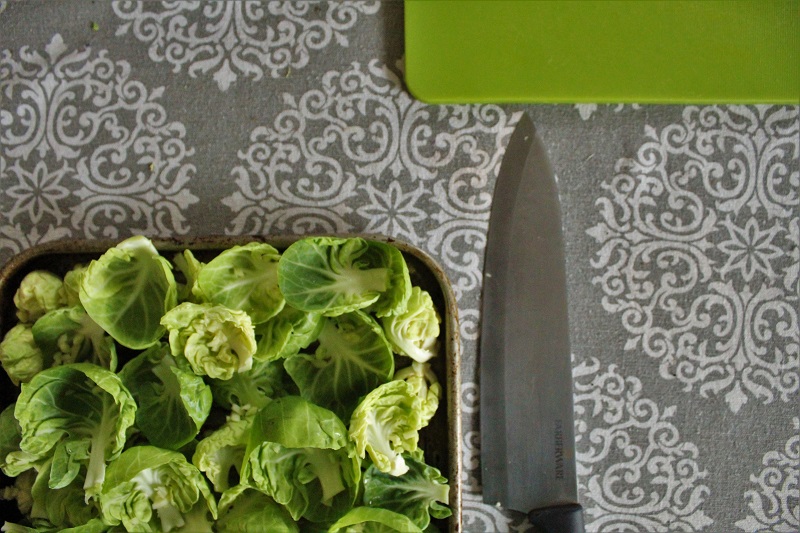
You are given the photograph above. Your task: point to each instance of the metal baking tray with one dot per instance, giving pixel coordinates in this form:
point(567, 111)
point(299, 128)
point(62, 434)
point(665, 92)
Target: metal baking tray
point(441, 440)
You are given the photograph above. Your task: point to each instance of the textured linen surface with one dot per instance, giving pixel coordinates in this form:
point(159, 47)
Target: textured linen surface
point(682, 223)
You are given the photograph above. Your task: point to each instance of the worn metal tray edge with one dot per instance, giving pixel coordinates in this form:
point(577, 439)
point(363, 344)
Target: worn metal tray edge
point(452, 340)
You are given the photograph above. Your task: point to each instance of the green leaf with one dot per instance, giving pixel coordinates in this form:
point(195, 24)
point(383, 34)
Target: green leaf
point(420, 493)
point(173, 403)
point(63, 507)
point(245, 510)
point(299, 455)
point(244, 278)
point(426, 386)
point(77, 414)
point(220, 455)
point(353, 357)
point(255, 387)
point(151, 489)
point(373, 520)
point(189, 266)
point(386, 424)
point(287, 333)
point(334, 276)
point(13, 461)
point(127, 291)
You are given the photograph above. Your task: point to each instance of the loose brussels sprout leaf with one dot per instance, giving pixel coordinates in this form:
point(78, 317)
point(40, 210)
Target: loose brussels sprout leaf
point(14, 461)
point(244, 278)
point(424, 382)
point(415, 331)
point(10, 434)
point(386, 424)
point(287, 333)
point(256, 387)
point(299, 455)
point(189, 266)
point(420, 493)
point(20, 355)
point(151, 489)
point(220, 455)
point(127, 291)
point(173, 402)
point(63, 507)
point(353, 357)
point(334, 276)
point(245, 510)
point(373, 520)
point(395, 299)
point(69, 335)
point(38, 292)
point(79, 415)
point(217, 341)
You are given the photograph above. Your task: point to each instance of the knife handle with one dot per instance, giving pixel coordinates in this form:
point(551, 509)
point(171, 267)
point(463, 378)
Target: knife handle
point(559, 519)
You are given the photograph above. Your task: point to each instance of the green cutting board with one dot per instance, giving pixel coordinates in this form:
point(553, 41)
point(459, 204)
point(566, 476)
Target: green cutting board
point(466, 51)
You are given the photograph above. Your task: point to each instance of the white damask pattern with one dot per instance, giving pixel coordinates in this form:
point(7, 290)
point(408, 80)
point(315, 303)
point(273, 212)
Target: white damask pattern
point(774, 502)
point(700, 250)
point(402, 159)
point(634, 471)
point(587, 110)
point(235, 39)
point(85, 150)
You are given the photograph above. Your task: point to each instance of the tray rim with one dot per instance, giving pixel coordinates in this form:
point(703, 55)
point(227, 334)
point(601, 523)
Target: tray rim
point(450, 320)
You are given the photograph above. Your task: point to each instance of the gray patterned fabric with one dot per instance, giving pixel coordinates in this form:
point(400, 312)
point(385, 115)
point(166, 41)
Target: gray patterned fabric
point(682, 223)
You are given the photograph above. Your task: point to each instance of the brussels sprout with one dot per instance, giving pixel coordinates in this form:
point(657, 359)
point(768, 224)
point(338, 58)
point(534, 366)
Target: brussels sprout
point(38, 292)
point(415, 331)
point(386, 424)
point(216, 341)
point(20, 355)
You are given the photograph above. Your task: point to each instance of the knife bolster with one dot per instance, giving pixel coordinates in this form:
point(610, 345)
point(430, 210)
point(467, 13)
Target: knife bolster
point(558, 519)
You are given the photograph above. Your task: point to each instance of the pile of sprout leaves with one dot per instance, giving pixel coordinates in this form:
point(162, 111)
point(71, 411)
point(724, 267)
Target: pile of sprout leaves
point(256, 390)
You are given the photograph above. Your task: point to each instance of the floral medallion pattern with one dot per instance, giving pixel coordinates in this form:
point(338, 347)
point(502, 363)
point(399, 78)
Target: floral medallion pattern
point(699, 250)
point(635, 473)
point(412, 171)
point(233, 39)
point(774, 500)
point(85, 150)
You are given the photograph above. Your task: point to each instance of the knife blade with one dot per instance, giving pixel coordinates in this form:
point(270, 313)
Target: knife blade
point(526, 403)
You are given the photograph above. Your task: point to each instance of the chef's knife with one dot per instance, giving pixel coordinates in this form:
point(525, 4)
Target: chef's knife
point(526, 417)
